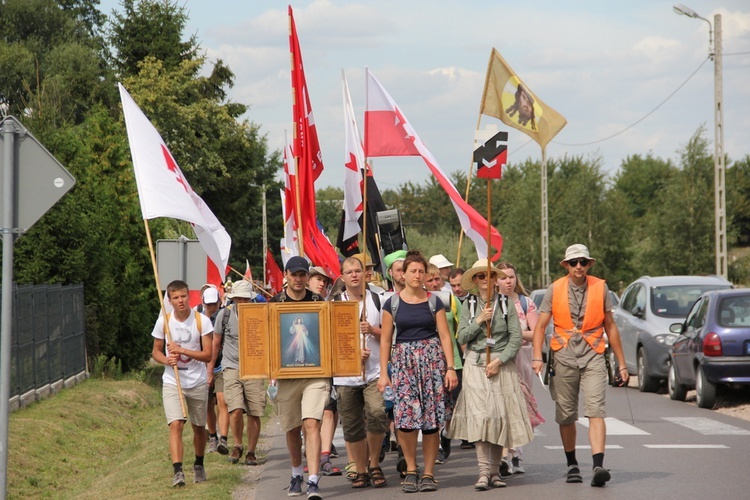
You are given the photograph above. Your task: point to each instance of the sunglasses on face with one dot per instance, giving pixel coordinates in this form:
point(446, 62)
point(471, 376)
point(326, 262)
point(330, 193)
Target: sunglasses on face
point(575, 262)
point(482, 276)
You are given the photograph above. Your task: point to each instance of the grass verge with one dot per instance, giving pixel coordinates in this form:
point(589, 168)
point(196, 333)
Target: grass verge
point(105, 439)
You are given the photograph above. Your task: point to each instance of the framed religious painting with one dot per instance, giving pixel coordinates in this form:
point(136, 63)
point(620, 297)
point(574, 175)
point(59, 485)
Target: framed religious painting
point(300, 340)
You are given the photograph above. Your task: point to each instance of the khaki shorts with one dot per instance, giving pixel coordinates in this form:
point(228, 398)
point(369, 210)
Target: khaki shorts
point(568, 381)
point(248, 395)
point(196, 402)
point(362, 410)
point(299, 399)
point(218, 382)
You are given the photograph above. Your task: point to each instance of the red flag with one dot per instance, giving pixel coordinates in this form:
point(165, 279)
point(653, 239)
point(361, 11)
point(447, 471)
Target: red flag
point(274, 277)
point(310, 164)
point(248, 273)
point(388, 133)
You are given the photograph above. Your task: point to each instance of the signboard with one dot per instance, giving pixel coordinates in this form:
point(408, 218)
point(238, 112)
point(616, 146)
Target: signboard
point(181, 259)
point(40, 180)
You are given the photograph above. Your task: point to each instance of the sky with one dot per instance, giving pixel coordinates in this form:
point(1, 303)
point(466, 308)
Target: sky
point(605, 66)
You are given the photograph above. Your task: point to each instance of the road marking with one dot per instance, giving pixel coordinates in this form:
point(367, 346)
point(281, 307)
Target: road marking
point(685, 446)
point(708, 426)
point(586, 447)
point(616, 427)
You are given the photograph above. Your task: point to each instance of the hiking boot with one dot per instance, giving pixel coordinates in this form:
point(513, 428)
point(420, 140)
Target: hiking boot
point(236, 454)
point(295, 487)
point(250, 458)
point(506, 468)
point(213, 444)
point(222, 447)
point(313, 492)
point(179, 479)
point(517, 467)
point(199, 473)
point(601, 476)
point(574, 475)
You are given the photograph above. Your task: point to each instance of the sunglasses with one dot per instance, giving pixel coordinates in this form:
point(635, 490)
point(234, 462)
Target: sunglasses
point(482, 276)
point(575, 262)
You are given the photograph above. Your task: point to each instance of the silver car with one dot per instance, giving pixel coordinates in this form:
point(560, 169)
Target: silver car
point(648, 307)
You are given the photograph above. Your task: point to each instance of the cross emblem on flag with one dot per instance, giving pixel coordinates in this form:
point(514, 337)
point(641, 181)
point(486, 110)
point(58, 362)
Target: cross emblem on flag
point(491, 156)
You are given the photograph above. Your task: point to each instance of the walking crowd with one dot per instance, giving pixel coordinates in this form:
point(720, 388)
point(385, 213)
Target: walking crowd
point(448, 353)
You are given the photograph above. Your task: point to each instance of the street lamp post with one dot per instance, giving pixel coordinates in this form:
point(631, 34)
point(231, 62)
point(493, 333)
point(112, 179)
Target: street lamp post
point(715, 51)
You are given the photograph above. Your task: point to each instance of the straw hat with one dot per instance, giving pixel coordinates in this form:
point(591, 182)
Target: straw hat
point(479, 266)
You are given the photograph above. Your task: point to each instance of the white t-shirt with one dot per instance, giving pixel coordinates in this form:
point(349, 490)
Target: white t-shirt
point(372, 365)
point(186, 334)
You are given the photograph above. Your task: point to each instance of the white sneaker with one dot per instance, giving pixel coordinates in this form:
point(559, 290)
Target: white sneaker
point(506, 468)
point(517, 467)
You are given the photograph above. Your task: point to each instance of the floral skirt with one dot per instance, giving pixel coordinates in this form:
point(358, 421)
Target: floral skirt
point(491, 409)
point(421, 399)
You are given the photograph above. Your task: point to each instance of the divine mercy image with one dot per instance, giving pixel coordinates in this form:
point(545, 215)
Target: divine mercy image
point(300, 340)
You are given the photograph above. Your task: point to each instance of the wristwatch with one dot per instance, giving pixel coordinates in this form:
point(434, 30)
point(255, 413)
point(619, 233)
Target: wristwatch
point(451, 368)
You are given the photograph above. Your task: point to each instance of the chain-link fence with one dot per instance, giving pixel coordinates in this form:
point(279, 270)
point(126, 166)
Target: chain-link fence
point(48, 344)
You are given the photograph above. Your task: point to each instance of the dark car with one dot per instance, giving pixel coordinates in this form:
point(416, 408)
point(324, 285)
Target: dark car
point(713, 346)
point(647, 308)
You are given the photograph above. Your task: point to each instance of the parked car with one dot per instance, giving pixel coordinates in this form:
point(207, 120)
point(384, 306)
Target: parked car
point(713, 346)
point(647, 308)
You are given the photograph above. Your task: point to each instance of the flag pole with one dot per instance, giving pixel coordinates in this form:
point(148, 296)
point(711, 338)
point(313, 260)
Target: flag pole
point(168, 335)
point(364, 264)
point(252, 283)
point(265, 235)
point(466, 199)
point(490, 284)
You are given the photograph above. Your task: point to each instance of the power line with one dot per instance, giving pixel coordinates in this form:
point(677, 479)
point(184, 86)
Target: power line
point(640, 119)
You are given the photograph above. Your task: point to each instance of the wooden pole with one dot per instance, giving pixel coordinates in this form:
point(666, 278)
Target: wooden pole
point(253, 284)
point(168, 335)
point(490, 285)
point(364, 264)
point(466, 199)
point(297, 212)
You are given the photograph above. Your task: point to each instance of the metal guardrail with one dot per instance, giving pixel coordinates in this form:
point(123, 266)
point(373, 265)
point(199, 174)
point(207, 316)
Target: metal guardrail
point(48, 343)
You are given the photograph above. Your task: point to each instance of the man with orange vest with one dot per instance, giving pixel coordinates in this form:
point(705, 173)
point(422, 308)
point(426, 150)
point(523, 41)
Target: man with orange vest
point(581, 309)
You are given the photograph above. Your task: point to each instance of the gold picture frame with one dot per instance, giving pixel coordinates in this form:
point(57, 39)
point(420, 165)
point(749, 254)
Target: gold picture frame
point(300, 340)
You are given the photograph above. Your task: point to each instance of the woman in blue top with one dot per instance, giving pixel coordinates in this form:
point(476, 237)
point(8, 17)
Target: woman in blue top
point(423, 371)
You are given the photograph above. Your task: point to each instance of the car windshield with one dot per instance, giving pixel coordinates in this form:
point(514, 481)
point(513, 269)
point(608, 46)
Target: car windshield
point(676, 301)
point(734, 311)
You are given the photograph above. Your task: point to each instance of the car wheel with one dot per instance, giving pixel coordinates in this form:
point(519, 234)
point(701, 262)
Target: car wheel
point(677, 391)
point(705, 391)
point(646, 382)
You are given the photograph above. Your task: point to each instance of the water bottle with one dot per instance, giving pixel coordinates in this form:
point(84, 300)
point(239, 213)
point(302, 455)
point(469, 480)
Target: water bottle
point(388, 393)
point(272, 391)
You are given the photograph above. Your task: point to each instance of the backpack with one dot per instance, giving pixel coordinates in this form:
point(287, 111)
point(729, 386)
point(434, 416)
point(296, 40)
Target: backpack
point(473, 301)
point(224, 321)
point(396, 299)
point(198, 321)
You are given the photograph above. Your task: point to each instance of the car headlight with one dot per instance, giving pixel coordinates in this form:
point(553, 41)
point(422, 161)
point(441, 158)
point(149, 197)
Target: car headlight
point(666, 338)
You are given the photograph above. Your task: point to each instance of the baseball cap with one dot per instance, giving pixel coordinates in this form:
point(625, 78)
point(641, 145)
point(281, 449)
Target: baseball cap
point(297, 263)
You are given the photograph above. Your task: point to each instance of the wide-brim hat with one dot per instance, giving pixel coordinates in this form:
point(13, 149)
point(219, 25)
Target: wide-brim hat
point(440, 261)
point(479, 266)
point(576, 251)
point(242, 289)
point(320, 272)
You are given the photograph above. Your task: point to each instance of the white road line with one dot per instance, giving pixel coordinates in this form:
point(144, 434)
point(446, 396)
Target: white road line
point(586, 447)
point(708, 426)
point(616, 427)
point(685, 446)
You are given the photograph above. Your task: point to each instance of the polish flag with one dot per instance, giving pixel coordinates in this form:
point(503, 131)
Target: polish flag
point(353, 163)
point(389, 133)
point(164, 191)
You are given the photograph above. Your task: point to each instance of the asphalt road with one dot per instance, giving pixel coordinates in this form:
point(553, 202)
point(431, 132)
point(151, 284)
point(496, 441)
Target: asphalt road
point(656, 448)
